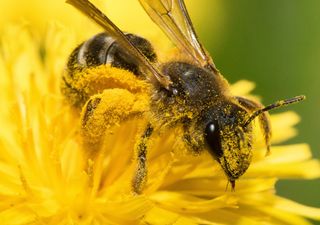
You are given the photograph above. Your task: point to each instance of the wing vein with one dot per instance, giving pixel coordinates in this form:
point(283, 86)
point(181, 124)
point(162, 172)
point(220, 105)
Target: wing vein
point(101, 19)
point(172, 17)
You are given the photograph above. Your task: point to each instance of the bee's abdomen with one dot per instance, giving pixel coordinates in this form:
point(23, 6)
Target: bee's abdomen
point(99, 50)
point(103, 49)
point(92, 52)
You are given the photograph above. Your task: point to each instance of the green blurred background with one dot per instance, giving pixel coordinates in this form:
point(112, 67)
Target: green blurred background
point(276, 44)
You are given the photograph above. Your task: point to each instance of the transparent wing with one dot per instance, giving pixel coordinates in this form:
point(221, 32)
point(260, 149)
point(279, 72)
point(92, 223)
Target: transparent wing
point(146, 67)
point(172, 17)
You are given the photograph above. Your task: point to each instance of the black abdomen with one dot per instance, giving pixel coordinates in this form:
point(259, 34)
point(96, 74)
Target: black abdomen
point(103, 49)
point(99, 50)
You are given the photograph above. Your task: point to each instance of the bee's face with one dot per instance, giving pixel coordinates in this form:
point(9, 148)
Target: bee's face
point(228, 142)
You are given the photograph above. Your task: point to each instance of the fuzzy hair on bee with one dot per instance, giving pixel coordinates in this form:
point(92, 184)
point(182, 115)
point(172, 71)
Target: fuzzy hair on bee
point(191, 93)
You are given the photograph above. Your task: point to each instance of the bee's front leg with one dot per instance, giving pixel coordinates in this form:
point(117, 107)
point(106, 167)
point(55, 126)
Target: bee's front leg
point(140, 176)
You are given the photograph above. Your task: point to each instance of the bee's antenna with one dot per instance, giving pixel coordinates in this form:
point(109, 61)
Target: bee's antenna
point(274, 106)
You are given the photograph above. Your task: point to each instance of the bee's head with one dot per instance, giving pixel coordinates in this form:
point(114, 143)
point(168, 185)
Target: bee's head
point(228, 134)
point(228, 142)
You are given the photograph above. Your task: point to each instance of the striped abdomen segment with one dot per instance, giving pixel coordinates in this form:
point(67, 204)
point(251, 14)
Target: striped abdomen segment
point(99, 50)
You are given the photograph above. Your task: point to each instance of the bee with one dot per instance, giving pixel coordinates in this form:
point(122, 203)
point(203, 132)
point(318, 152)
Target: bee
point(190, 93)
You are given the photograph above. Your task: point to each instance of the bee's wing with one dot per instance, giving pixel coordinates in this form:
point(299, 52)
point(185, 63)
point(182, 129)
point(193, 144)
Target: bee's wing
point(172, 17)
point(92, 12)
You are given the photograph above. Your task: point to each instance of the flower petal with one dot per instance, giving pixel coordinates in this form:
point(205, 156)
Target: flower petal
point(242, 87)
point(286, 162)
point(184, 203)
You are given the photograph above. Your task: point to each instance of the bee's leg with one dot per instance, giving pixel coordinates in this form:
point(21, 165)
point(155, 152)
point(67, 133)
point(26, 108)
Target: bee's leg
point(140, 176)
point(102, 111)
point(263, 118)
point(191, 137)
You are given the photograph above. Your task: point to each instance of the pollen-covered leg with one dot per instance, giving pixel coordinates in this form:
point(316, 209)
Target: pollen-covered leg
point(140, 176)
point(102, 111)
point(263, 119)
point(78, 85)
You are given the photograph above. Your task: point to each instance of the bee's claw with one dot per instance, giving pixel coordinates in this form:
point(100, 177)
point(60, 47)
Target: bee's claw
point(233, 185)
point(268, 150)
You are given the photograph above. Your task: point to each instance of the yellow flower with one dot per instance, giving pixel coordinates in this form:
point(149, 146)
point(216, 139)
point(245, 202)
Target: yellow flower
point(46, 177)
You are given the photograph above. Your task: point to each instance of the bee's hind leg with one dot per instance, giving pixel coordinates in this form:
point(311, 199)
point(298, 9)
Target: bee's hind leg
point(140, 176)
point(102, 111)
point(263, 118)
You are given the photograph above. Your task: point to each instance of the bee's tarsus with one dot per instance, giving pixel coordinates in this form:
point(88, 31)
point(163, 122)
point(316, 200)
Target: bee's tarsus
point(233, 185)
point(268, 150)
point(140, 177)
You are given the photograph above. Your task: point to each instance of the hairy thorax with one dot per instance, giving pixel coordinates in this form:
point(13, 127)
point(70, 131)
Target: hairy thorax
point(195, 90)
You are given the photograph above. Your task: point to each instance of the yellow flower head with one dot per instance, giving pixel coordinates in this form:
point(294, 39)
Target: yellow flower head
point(47, 176)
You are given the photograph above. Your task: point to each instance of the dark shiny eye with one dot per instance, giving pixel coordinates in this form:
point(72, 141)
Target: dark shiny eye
point(212, 136)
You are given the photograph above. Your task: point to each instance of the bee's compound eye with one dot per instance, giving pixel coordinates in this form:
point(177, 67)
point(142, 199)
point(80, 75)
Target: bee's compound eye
point(212, 136)
point(211, 128)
